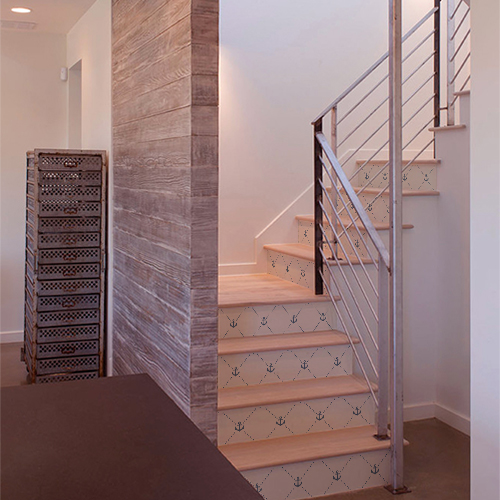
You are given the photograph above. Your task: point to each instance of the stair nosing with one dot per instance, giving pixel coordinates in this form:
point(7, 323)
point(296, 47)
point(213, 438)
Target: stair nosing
point(284, 337)
point(314, 446)
point(289, 391)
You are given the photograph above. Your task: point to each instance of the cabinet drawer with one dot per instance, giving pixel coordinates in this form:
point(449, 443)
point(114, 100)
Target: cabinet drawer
point(62, 349)
point(68, 162)
point(73, 256)
point(69, 225)
point(71, 303)
point(65, 318)
point(73, 240)
point(65, 271)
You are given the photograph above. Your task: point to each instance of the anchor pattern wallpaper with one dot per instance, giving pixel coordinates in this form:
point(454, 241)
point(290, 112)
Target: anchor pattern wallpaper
point(322, 477)
point(301, 417)
point(286, 267)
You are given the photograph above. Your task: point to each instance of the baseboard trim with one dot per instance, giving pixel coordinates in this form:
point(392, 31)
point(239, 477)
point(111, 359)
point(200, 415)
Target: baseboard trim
point(434, 410)
point(11, 337)
point(453, 419)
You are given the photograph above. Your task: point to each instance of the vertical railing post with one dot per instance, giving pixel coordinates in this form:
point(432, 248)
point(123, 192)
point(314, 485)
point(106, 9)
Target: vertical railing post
point(450, 73)
point(437, 65)
point(318, 212)
point(383, 350)
point(396, 247)
point(334, 138)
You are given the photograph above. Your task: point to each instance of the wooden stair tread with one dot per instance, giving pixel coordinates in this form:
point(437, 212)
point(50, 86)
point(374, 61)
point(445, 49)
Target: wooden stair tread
point(263, 289)
point(306, 252)
point(419, 161)
point(302, 448)
point(380, 226)
point(286, 392)
point(447, 128)
point(265, 343)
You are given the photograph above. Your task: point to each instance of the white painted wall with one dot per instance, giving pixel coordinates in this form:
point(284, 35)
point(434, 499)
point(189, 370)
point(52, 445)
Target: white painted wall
point(89, 41)
point(485, 250)
point(281, 64)
point(33, 115)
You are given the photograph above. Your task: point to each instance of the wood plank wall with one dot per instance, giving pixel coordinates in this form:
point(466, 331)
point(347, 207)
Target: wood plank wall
point(165, 144)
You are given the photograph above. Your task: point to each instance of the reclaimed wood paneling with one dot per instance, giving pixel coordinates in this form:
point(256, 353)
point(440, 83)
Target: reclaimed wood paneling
point(165, 145)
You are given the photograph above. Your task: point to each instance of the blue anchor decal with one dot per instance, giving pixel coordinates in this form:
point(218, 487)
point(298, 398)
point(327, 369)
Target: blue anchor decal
point(235, 372)
point(294, 319)
point(370, 207)
point(273, 262)
point(375, 469)
point(337, 476)
point(305, 233)
point(304, 365)
point(264, 322)
point(303, 273)
point(280, 421)
point(233, 324)
point(270, 368)
point(288, 268)
point(367, 176)
point(298, 482)
point(239, 427)
point(426, 178)
point(322, 316)
point(385, 176)
point(320, 416)
point(405, 177)
point(356, 244)
point(356, 412)
point(258, 487)
point(337, 362)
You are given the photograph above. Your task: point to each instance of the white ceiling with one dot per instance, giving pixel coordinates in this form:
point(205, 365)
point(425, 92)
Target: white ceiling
point(51, 16)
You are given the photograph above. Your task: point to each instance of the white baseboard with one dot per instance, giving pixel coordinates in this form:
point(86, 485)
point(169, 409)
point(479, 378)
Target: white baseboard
point(435, 410)
point(453, 419)
point(11, 337)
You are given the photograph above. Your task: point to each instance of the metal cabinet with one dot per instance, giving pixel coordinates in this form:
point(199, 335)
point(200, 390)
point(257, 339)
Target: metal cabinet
point(65, 314)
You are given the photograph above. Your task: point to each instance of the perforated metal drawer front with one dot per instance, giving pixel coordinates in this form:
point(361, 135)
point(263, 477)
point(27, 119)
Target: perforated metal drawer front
point(64, 318)
point(66, 333)
point(58, 272)
point(65, 377)
point(68, 303)
point(62, 192)
point(71, 178)
point(69, 162)
point(70, 208)
point(74, 256)
point(65, 365)
point(69, 224)
point(69, 240)
point(69, 287)
point(61, 349)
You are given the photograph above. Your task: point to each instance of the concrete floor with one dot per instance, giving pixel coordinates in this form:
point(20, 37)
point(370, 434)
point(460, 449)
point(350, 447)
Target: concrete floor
point(437, 465)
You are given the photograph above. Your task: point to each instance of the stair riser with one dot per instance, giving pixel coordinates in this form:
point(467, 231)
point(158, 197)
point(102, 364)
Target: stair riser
point(300, 417)
point(237, 322)
point(415, 178)
point(299, 271)
point(282, 366)
point(306, 231)
point(322, 477)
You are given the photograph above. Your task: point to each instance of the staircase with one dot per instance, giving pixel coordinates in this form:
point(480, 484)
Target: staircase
point(303, 349)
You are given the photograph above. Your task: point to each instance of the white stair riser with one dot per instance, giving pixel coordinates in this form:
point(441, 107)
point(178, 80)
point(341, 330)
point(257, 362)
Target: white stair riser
point(415, 178)
point(286, 267)
point(306, 231)
point(299, 417)
point(285, 365)
point(322, 477)
point(237, 322)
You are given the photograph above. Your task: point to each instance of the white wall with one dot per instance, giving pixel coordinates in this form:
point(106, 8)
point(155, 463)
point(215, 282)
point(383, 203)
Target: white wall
point(89, 41)
point(485, 250)
point(281, 64)
point(33, 115)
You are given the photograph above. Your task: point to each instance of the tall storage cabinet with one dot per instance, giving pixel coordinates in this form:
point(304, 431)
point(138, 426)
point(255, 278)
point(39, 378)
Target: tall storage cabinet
point(64, 334)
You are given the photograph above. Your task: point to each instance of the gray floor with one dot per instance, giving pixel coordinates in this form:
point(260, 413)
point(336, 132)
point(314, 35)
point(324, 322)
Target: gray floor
point(436, 462)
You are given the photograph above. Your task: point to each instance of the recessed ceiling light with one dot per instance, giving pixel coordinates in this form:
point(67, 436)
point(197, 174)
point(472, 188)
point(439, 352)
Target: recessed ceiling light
point(21, 10)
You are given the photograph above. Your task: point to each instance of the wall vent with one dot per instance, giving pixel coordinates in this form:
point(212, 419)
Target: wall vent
point(17, 25)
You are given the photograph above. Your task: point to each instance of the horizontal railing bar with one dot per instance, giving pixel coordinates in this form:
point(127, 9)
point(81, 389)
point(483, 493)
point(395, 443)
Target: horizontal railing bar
point(354, 247)
point(454, 13)
point(419, 68)
point(373, 67)
point(419, 89)
point(418, 46)
point(460, 46)
point(460, 69)
point(459, 26)
point(370, 229)
point(353, 296)
point(349, 336)
point(363, 99)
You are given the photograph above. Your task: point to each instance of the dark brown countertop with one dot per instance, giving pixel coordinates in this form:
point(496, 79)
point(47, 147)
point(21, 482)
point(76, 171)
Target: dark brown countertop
point(106, 439)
